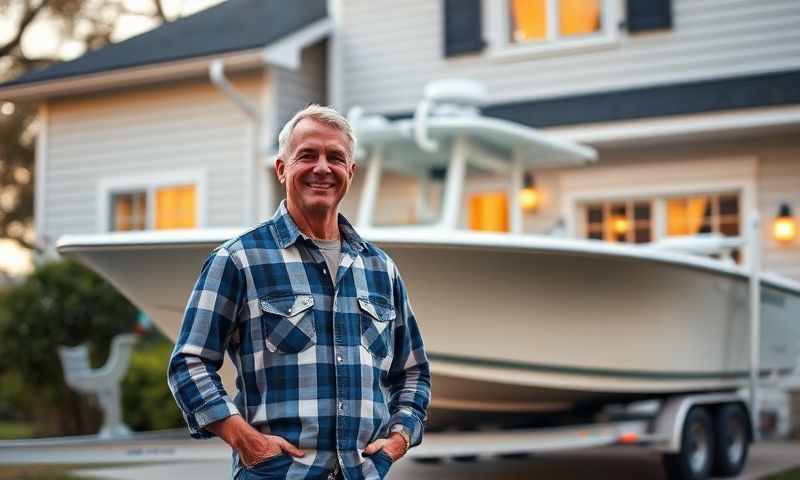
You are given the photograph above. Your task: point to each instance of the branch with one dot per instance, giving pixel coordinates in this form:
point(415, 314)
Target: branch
point(30, 16)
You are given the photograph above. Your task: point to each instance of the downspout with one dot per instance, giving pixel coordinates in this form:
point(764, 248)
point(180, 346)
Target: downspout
point(216, 72)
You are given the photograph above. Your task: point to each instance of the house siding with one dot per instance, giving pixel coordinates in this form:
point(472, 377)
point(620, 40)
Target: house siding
point(296, 89)
point(710, 39)
point(189, 126)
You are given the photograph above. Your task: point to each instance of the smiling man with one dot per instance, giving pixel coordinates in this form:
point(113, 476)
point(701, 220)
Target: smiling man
point(332, 377)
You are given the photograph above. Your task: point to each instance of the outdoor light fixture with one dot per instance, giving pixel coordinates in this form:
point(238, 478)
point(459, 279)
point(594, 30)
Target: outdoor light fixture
point(784, 228)
point(529, 196)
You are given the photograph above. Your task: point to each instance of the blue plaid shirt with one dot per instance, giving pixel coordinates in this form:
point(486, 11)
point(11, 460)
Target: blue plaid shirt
point(328, 367)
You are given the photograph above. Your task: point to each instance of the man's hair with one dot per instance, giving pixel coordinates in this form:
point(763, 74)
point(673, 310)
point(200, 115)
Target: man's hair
point(326, 115)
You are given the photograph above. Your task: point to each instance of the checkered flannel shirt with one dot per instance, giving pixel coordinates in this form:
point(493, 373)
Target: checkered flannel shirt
point(328, 367)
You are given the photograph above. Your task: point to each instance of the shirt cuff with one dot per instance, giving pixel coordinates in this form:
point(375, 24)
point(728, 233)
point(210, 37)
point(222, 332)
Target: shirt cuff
point(209, 413)
point(411, 425)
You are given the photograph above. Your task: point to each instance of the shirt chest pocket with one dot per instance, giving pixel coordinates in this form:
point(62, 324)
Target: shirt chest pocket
point(377, 319)
point(288, 322)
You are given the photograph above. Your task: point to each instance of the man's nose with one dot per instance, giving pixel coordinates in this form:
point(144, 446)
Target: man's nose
point(322, 165)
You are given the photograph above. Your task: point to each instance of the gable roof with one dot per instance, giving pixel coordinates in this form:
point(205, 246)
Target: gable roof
point(231, 26)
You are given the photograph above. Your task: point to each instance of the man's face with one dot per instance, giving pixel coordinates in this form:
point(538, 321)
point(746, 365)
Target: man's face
point(316, 169)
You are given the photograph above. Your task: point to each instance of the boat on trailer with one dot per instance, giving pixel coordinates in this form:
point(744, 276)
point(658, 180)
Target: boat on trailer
point(515, 324)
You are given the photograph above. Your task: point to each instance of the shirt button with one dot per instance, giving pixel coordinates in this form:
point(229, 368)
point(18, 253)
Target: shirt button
point(339, 358)
point(341, 406)
point(325, 271)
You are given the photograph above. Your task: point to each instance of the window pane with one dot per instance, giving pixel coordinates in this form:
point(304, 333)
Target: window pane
point(728, 205)
point(175, 207)
point(578, 17)
point(528, 20)
point(688, 216)
point(489, 212)
point(594, 214)
point(128, 211)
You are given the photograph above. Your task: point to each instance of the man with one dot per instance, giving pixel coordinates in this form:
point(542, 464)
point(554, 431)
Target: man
point(332, 377)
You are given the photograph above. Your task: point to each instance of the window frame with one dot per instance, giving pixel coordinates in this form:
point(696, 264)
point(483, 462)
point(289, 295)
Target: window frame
point(107, 187)
point(502, 48)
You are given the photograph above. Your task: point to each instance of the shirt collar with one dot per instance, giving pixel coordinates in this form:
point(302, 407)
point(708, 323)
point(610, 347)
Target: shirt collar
point(287, 232)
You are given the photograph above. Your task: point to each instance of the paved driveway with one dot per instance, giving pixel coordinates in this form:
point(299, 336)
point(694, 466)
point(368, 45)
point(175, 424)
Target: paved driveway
point(597, 464)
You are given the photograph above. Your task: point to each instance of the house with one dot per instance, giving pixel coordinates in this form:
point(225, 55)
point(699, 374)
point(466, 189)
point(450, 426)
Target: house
point(694, 108)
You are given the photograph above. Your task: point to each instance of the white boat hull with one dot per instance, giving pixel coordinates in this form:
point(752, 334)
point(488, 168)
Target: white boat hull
point(531, 326)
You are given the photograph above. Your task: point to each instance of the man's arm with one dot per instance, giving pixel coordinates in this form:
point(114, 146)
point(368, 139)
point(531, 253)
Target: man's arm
point(209, 319)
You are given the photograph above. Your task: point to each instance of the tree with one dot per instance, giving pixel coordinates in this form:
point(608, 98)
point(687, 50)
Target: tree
point(78, 25)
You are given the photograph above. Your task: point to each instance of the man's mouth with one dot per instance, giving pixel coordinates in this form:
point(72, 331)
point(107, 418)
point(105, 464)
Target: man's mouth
point(320, 185)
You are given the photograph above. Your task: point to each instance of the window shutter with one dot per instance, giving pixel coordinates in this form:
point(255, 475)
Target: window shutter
point(462, 27)
point(646, 15)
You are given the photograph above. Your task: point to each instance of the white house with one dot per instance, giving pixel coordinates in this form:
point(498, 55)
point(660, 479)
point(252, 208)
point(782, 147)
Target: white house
point(694, 108)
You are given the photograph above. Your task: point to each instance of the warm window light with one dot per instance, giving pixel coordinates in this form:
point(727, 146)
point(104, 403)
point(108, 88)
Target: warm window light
point(528, 196)
point(784, 228)
point(620, 224)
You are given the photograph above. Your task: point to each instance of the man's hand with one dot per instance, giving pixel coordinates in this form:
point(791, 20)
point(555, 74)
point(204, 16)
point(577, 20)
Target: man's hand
point(252, 445)
point(394, 446)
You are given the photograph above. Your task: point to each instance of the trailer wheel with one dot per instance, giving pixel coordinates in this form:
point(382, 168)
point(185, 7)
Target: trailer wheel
point(731, 434)
point(696, 456)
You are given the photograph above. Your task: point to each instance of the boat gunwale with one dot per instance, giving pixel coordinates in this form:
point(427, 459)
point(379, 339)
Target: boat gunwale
point(429, 236)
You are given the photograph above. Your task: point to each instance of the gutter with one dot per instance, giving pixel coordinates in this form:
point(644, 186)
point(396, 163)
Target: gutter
point(127, 77)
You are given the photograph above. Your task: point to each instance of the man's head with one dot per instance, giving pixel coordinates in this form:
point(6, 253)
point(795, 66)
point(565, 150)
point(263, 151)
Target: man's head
point(315, 159)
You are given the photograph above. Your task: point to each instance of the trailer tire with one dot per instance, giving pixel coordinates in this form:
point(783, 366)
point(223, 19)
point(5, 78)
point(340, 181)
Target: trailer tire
point(695, 459)
point(732, 435)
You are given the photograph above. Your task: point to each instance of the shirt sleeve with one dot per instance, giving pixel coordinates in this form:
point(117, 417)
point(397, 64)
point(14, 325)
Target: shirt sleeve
point(209, 319)
point(409, 373)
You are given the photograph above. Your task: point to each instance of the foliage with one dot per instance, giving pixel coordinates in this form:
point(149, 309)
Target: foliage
point(60, 303)
point(78, 25)
point(146, 400)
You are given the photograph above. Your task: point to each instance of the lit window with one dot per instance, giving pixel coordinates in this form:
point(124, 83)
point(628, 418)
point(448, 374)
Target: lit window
point(129, 211)
point(174, 207)
point(703, 214)
point(552, 20)
point(489, 212)
point(627, 221)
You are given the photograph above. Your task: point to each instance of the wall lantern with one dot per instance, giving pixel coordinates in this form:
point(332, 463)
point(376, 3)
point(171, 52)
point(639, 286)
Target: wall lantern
point(529, 195)
point(784, 228)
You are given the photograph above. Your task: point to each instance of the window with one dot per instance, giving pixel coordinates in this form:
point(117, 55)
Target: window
point(542, 25)
point(129, 211)
point(174, 207)
point(637, 221)
point(551, 20)
point(628, 221)
point(489, 212)
point(167, 200)
point(703, 214)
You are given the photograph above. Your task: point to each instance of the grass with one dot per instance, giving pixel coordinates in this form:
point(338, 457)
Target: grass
point(793, 474)
point(13, 430)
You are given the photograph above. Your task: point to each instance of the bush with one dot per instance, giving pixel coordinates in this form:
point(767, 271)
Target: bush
point(146, 399)
point(60, 303)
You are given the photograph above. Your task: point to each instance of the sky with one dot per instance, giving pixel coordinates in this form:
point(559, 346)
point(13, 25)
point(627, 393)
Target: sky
point(44, 39)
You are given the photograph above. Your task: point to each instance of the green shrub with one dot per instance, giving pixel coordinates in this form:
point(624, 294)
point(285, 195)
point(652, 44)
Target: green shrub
point(147, 401)
point(60, 303)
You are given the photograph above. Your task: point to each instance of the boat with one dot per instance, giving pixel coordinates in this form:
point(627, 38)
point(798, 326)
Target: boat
point(515, 324)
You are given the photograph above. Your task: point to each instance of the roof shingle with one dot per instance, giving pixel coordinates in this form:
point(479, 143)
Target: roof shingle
point(231, 26)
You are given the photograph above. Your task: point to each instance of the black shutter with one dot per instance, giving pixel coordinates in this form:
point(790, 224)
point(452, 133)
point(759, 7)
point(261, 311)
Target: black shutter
point(649, 15)
point(462, 27)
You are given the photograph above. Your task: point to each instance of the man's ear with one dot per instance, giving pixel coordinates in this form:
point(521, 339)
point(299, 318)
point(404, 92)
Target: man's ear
point(280, 168)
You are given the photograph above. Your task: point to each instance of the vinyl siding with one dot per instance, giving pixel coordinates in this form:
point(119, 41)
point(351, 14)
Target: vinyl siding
point(296, 89)
point(188, 126)
point(389, 58)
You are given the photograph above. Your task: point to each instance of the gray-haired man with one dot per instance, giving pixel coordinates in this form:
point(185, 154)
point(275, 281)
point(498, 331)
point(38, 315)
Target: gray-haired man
point(333, 380)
